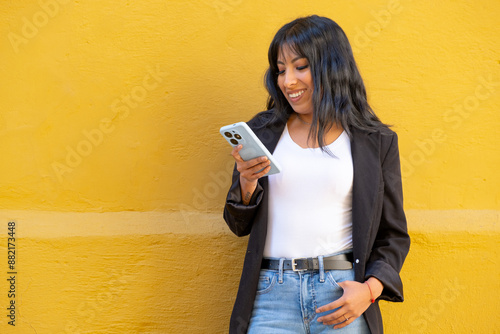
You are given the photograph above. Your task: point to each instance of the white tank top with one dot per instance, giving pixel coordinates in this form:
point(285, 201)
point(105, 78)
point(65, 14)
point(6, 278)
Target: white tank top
point(310, 201)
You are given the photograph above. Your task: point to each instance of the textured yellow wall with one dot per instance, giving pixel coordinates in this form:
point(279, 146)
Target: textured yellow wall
point(114, 172)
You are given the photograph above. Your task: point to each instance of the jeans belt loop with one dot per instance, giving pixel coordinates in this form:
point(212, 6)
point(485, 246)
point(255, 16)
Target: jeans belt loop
point(321, 269)
point(280, 279)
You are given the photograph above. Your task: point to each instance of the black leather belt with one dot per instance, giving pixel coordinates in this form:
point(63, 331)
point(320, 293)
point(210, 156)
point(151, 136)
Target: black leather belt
point(336, 262)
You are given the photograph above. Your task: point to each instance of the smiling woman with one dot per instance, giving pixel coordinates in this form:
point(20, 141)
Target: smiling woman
point(340, 180)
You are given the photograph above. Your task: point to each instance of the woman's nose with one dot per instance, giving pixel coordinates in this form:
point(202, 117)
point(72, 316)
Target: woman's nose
point(290, 79)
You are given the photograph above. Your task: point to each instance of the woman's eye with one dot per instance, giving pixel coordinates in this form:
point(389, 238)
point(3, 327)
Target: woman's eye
point(300, 68)
point(281, 72)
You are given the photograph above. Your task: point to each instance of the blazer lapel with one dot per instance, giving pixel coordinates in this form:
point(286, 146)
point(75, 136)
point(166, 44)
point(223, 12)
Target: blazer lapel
point(367, 180)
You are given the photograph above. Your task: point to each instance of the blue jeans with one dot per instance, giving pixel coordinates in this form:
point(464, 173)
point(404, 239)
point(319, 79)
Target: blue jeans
point(286, 302)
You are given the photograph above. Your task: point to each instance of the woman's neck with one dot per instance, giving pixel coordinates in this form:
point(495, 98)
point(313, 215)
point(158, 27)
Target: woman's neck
point(299, 129)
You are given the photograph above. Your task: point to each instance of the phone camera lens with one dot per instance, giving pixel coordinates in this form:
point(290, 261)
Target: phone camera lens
point(237, 136)
point(234, 141)
point(228, 134)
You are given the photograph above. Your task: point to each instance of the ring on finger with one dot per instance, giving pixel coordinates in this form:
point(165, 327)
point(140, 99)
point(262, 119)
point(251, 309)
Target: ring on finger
point(346, 318)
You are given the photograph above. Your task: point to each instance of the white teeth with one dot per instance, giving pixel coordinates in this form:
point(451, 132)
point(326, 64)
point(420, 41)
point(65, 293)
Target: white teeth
point(297, 94)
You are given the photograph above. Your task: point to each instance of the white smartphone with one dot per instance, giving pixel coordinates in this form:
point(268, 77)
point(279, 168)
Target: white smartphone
point(240, 133)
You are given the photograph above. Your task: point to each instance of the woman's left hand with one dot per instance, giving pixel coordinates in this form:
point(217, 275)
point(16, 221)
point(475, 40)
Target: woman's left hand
point(355, 300)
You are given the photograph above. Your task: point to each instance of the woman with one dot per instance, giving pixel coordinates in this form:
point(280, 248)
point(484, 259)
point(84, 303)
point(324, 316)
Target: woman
point(328, 234)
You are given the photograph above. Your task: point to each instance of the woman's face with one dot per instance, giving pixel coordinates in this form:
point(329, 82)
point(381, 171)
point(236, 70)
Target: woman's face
point(295, 81)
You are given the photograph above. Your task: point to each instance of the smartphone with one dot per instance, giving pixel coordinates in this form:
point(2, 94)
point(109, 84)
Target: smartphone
point(240, 133)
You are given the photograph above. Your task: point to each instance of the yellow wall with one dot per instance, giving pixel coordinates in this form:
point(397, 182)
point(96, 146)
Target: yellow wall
point(115, 174)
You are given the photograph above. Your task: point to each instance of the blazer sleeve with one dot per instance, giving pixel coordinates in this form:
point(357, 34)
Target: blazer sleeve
point(392, 241)
point(239, 217)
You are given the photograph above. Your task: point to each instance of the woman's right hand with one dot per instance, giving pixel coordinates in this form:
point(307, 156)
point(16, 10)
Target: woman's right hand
point(249, 172)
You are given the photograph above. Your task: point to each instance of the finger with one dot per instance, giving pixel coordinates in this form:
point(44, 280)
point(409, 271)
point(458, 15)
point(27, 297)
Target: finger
point(236, 153)
point(336, 321)
point(248, 163)
point(256, 172)
point(337, 316)
point(252, 166)
point(331, 306)
point(345, 323)
point(258, 160)
point(333, 318)
point(263, 172)
point(259, 166)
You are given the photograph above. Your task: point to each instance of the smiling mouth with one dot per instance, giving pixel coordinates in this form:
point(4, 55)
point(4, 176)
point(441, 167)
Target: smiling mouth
point(294, 95)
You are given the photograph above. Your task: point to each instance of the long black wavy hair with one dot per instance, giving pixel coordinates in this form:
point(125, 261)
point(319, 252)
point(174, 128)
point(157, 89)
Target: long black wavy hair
point(339, 95)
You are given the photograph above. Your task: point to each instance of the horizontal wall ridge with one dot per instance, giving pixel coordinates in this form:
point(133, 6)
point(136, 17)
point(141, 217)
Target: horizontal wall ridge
point(53, 224)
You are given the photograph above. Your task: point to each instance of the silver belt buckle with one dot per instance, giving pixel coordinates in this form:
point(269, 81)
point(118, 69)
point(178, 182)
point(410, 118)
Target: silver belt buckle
point(294, 265)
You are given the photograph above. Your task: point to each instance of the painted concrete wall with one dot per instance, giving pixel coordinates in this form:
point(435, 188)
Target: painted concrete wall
point(114, 173)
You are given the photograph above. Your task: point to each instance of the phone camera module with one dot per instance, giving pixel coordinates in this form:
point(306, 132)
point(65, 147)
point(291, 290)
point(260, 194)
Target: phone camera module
point(237, 136)
point(234, 141)
point(228, 134)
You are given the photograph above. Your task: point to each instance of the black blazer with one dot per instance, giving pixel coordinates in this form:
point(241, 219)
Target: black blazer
point(380, 238)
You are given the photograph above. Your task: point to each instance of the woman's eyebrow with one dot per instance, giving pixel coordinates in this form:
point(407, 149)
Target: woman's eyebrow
point(293, 60)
